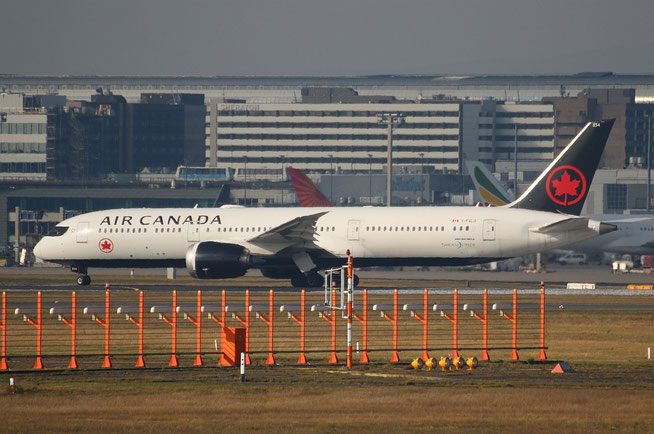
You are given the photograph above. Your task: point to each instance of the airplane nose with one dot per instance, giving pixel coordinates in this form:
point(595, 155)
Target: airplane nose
point(38, 250)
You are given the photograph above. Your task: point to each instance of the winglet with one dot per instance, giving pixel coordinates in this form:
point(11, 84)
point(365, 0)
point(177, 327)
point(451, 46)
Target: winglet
point(563, 186)
point(307, 193)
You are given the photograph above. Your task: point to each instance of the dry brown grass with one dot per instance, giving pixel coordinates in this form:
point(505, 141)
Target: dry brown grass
point(612, 389)
point(327, 409)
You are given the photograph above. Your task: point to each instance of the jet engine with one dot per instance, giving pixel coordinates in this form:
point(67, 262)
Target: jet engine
point(211, 260)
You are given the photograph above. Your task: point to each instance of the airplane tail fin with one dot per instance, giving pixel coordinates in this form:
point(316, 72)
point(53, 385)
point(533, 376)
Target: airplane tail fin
point(488, 188)
point(223, 196)
point(563, 186)
point(307, 193)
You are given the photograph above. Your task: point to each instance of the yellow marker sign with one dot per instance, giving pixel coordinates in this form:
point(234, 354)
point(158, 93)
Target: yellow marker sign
point(641, 287)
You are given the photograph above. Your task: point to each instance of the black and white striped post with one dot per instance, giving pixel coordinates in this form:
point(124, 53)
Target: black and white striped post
point(242, 367)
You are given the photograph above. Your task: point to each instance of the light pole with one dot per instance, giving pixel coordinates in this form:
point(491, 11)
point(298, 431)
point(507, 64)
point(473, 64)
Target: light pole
point(649, 159)
point(390, 120)
point(515, 161)
point(331, 178)
point(369, 179)
point(282, 181)
point(245, 190)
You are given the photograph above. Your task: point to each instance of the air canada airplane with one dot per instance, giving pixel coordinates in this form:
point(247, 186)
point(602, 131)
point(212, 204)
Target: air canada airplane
point(634, 234)
point(296, 243)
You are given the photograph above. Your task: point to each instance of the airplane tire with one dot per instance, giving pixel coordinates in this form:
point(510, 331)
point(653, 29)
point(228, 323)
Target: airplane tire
point(315, 280)
point(356, 280)
point(83, 280)
point(298, 280)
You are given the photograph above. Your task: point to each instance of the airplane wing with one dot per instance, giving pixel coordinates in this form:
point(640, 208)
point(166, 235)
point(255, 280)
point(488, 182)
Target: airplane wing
point(569, 224)
point(296, 231)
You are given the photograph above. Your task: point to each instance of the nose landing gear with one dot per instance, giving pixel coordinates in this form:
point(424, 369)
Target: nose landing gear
point(83, 278)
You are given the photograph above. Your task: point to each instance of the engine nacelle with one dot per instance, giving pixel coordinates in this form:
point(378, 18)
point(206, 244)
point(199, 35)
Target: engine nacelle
point(211, 260)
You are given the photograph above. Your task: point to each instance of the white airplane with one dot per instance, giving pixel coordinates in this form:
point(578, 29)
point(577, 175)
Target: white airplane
point(297, 243)
point(634, 234)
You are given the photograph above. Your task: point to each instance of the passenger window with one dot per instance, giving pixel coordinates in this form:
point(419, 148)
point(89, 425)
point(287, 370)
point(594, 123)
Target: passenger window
point(467, 228)
point(454, 228)
point(333, 228)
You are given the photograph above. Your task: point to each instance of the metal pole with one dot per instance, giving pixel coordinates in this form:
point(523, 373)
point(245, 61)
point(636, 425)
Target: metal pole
point(331, 178)
point(349, 310)
point(389, 164)
point(282, 182)
point(245, 173)
point(515, 162)
point(369, 179)
point(649, 160)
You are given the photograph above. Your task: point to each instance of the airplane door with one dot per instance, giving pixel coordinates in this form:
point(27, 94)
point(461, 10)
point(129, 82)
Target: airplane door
point(353, 230)
point(489, 230)
point(193, 233)
point(82, 232)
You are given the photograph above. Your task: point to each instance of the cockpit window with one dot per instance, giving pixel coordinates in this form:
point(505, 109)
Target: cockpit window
point(57, 231)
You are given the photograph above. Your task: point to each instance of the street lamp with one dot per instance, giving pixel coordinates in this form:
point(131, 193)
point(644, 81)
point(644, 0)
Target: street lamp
point(369, 179)
point(282, 182)
point(331, 178)
point(649, 159)
point(390, 120)
point(245, 190)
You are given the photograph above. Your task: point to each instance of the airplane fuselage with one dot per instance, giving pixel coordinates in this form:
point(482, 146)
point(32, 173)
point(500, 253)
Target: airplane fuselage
point(374, 236)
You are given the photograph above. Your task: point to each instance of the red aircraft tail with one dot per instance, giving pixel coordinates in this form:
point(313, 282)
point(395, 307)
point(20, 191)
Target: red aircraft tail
point(307, 193)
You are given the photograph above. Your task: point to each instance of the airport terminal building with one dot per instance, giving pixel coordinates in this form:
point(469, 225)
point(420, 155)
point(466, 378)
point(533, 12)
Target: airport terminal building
point(74, 144)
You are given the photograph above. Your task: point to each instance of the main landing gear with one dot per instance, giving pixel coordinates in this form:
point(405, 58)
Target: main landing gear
point(309, 280)
point(314, 280)
point(83, 278)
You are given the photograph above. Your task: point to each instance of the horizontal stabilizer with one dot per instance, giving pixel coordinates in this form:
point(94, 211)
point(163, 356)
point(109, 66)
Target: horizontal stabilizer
point(566, 225)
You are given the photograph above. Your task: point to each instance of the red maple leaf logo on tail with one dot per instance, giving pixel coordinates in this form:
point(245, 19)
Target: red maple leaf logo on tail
point(569, 189)
point(566, 186)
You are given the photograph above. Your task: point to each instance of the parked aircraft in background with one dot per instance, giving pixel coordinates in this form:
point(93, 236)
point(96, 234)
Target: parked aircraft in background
point(297, 243)
point(634, 234)
point(307, 193)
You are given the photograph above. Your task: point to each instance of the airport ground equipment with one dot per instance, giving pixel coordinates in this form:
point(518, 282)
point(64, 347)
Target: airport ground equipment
point(282, 341)
point(35, 317)
point(513, 318)
point(172, 320)
point(383, 308)
point(3, 334)
point(71, 321)
point(331, 319)
point(291, 309)
point(484, 320)
point(129, 312)
point(424, 319)
point(95, 311)
point(197, 321)
point(454, 319)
